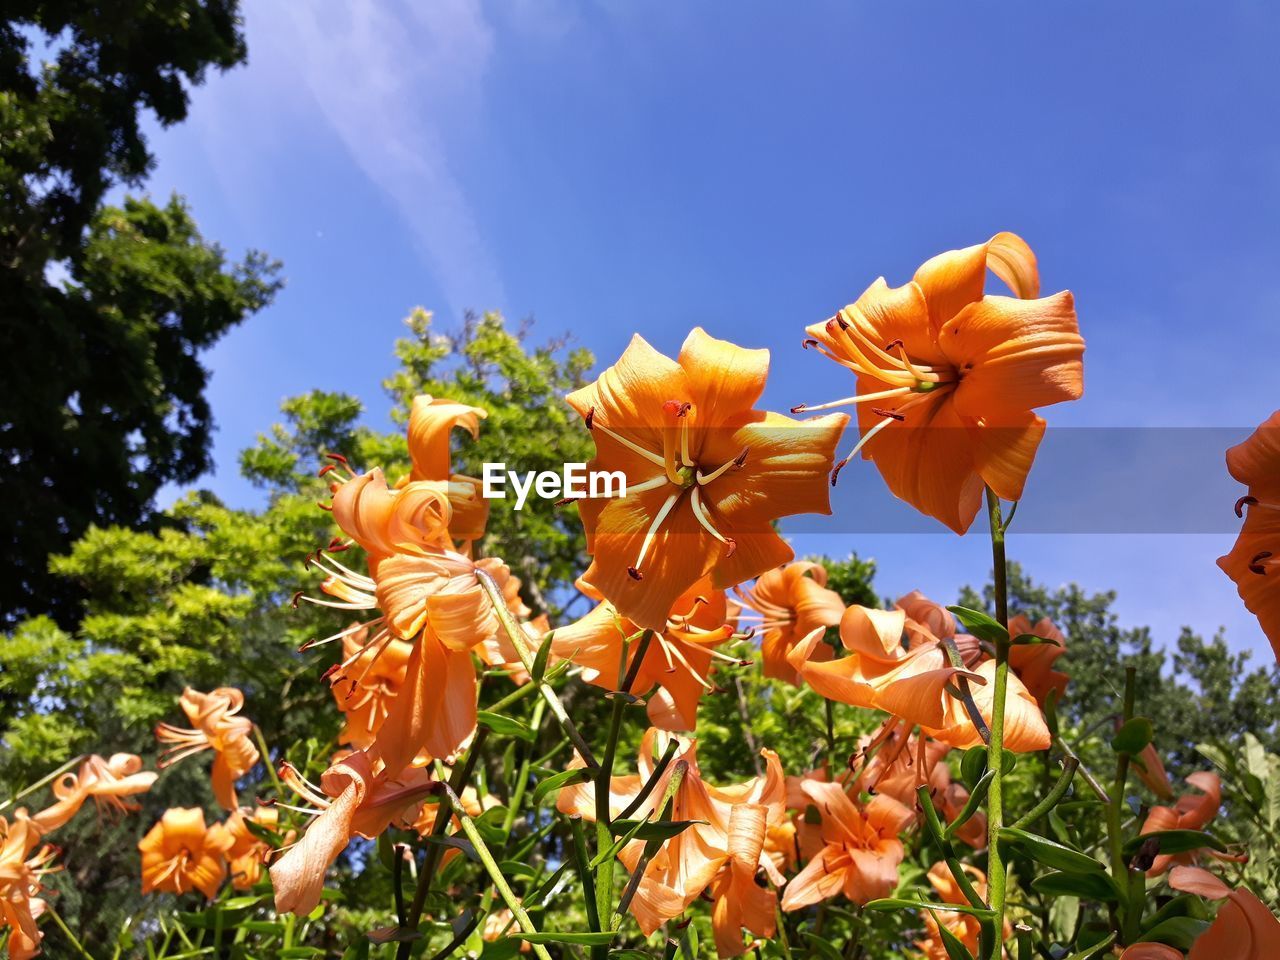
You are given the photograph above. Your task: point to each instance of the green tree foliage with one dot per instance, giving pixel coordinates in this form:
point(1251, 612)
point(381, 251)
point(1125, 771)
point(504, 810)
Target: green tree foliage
point(106, 309)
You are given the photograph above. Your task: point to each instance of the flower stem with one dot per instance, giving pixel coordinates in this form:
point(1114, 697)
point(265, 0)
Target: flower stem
point(1120, 873)
point(491, 867)
point(996, 875)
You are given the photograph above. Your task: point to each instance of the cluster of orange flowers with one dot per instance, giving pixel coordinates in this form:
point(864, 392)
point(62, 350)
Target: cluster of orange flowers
point(684, 564)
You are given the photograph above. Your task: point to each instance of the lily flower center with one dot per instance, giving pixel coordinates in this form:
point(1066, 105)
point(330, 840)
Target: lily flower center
point(681, 473)
point(906, 381)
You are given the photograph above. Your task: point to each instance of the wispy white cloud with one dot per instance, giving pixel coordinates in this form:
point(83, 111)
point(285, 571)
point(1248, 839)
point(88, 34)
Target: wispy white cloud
point(399, 85)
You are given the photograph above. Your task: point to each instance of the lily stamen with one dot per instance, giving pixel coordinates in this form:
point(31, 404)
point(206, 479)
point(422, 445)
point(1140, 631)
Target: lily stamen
point(735, 464)
point(651, 533)
point(856, 399)
point(593, 424)
point(695, 501)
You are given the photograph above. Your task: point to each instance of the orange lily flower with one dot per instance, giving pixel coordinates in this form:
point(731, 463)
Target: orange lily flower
point(678, 659)
point(428, 595)
point(365, 691)
point(248, 853)
point(900, 764)
point(218, 728)
point(1151, 951)
point(107, 781)
point(181, 854)
point(962, 926)
point(1197, 880)
point(352, 800)
point(790, 602)
point(20, 886)
point(936, 619)
point(1244, 929)
point(1192, 812)
point(716, 852)
point(948, 378)
point(911, 683)
point(861, 850)
point(706, 474)
point(1033, 662)
point(1254, 560)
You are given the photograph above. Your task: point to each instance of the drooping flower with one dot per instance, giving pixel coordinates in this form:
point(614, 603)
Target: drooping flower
point(790, 603)
point(181, 854)
point(1254, 560)
point(861, 848)
point(948, 378)
point(428, 594)
point(912, 683)
point(1149, 768)
point(678, 659)
point(1193, 811)
point(352, 800)
point(20, 886)
point(897, 763)
point(107, 781)
point(706, 474)
point(964, 927)
point(719, 851)
point(217, 727)
point(1244, 929)
point(249, 852)
point(1033, 662)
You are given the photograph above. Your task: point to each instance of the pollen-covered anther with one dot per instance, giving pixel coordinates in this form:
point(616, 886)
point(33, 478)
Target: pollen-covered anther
point(891, 414)
point(337, 545)
point(297, 597)
point(634, 573)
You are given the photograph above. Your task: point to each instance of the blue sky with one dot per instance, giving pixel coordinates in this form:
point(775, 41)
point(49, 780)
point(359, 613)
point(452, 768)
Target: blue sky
point(611, 168)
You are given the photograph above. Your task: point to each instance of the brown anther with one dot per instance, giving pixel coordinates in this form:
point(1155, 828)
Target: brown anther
point(296, 597)
point(1256, 564)
point(1244, 502)
point(591, 416)
point(893, 343)
point(750, 633)
point(800, 408)
point(881, 412)
point(835, 471)
point(806, 343)
point(337, 545)
point(634, 574)
point(307, 645)
point(339, 457)
point(700, 599)
point(676, 408)
point(741, 458)
point(731, 547)
point(327, 468)
point(327, 507)
point(330, 672)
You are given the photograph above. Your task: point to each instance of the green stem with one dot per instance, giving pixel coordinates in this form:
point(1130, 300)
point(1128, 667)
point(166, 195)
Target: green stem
point(457, 781)
point(266, 760)
point(57, 918)
point(1069, 766)
point(996, 876)
point(520, 643)
point(1120, 872)
point(491, 867)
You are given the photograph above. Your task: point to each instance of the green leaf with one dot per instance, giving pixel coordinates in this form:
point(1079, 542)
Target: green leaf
point(239, 903)
point(1178, 932)
point(1030, 639)
point(1133, 736)
point(586, 939)
point(981, 625)
point(1086, 886)
point(1183, 905)
point(544, 654)
point(951, 943)
point(1049, 852)
point(1092, 949)
point(973, 765)
point(661, 830)
point(902, 903)
point(1175, 841)
point(972, 804)
point(506, 726)
point(565, 779)
point(457, 843)
point(517, 868)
